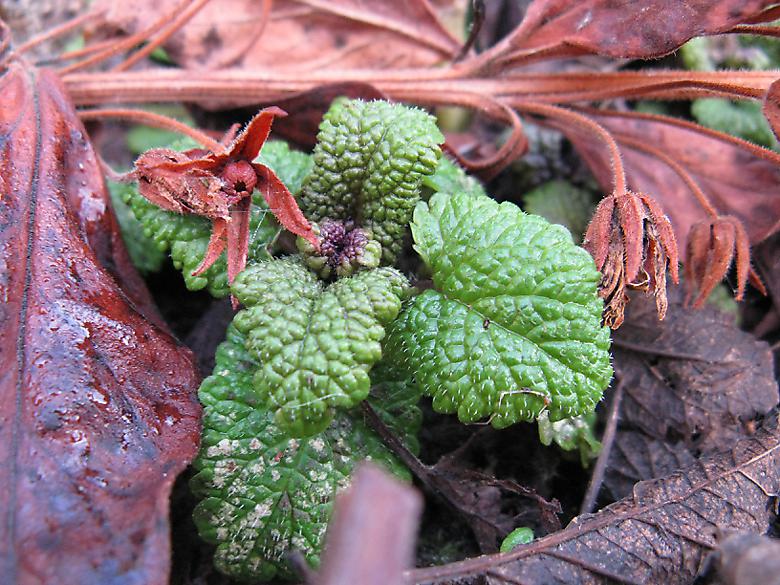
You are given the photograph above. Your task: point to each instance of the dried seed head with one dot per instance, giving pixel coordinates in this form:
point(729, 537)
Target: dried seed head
point(712, 245)
point(633, 244)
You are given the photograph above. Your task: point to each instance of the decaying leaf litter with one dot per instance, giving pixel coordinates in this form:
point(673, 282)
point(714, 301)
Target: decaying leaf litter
point(697, 393)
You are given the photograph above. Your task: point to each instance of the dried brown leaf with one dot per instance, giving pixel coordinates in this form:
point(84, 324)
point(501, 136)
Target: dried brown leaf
point(772, 107)
point(694, 377)
point(740, 179)
point(98, 411)
point(748, 559)
point(298, 34)
point(661, 534)
point(622, 28)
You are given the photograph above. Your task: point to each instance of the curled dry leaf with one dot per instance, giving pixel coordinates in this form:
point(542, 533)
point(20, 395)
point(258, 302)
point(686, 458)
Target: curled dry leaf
point(712, 245)
point(633, 245)
point(661, 534)
point(219, 185)
point(98, 411)
point(772, 107)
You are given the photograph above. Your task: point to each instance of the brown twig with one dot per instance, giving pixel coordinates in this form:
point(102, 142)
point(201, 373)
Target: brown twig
point(597, 477)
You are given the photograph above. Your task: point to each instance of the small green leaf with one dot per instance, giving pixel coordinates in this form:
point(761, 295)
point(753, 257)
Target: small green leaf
point(518, 536)
point(513, 327)
point(144, 253)
point(575, 433)
point(316, 344)
point(265, 494)
point(451, 178)
point(739, 118)
point(369, 163)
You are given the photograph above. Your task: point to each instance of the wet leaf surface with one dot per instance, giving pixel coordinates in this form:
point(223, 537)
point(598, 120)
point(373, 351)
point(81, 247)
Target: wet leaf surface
point(661, 534)
point(98, 408)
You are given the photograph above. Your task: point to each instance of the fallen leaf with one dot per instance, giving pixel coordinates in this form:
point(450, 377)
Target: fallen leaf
point(741, 179)
point(661, 534)
point(621, 28)
point(99, 412)
point(637, 457)
point(693, 377)
point(298, 34)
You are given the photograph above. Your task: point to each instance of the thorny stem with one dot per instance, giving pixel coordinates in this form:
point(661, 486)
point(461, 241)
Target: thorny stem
point(155, 120)
point(597, 477)
point(587, 124)
point(60, 30)
point(701, 197)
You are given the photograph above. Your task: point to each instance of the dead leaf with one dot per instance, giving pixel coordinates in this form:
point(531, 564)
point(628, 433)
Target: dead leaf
point(637, 457)
point(661, 534)
point(772, 107)
point(373, 532)
point(620, 28)
point(298, 34)
point(740, 179)
point(99, 412)
point(693, 377)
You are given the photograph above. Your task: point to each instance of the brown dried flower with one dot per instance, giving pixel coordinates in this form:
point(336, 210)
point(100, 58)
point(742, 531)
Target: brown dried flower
point(633, 245)
point(712, 245)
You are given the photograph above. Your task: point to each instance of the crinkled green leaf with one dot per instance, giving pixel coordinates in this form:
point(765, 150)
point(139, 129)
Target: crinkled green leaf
point(562, 203)
point(513, 327)
point(144, 253)
point(369, 164)
point(316, 344)
point(187, 236)
point(450, 178)
point(265, 494)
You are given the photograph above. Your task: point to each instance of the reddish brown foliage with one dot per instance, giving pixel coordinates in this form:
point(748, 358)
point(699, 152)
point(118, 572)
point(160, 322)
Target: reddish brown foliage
point(219, 185)
point(633, 245)
point(98, 410)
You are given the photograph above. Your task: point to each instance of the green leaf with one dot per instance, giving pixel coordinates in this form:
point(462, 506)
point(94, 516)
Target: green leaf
point(187, 236)
point(518, 536)
point(144, 253)
point(369, 164)
point(513, 326)
point(316, 344)
point(575, 433)
point(562, 203)
point(265, 494)
point(451, 178)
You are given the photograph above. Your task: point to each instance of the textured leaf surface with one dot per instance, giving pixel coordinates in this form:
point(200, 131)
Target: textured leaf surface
point(316, 345)
point(266, 494)
point(663, 533)
point(98, 412)
point(187, 236)
point(145, 254)
point(513, 327)
point(369, 165)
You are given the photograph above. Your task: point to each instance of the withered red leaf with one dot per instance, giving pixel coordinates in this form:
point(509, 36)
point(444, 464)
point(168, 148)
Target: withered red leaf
point(98, 412)
point(622, 28)
point(739, 178)
point(772, 107)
